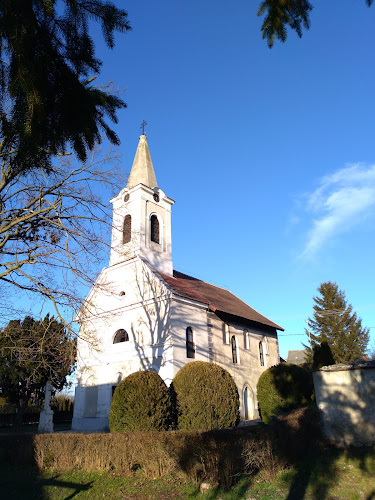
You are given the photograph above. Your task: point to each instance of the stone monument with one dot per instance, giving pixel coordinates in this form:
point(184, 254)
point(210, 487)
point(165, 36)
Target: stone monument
point(46, 415)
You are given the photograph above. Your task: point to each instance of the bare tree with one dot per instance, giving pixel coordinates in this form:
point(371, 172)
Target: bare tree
point(54, 228)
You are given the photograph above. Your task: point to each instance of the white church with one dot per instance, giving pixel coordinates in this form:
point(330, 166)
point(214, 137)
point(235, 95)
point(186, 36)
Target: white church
point(143, 315)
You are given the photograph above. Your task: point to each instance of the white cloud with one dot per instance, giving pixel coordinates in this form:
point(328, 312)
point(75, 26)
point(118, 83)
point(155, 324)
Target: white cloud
point(341, 202)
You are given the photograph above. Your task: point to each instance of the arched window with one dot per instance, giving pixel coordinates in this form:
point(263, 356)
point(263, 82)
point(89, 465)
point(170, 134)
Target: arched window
point(155, 233)
point(121, 336)
point(190, 345)
point(247, 340)
point(261, 356)
point(127, 229)
point(246, 403)
point(234, 349)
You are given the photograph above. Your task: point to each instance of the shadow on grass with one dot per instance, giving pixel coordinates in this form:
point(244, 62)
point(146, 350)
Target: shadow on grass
point(21, 482)
point(76, 487)
point(20, 476)
point(319, 473)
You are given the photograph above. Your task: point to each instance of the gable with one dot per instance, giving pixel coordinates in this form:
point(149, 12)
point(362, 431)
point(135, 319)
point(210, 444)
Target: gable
point(123, 286)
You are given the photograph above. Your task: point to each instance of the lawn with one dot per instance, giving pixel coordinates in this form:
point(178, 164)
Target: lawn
point(334, 474)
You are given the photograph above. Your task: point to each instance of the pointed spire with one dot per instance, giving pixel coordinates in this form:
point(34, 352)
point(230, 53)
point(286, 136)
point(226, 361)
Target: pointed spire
point(142, 171)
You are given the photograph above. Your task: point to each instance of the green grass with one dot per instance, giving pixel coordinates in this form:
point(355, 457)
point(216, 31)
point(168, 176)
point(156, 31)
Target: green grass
point(334, 474)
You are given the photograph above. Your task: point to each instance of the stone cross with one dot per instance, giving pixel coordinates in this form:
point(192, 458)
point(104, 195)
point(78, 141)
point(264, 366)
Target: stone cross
point(46, 416)
point(47, 397)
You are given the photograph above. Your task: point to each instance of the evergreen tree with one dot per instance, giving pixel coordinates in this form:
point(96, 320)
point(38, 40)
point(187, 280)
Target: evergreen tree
point(335, 324)
point(281, 14)
point(47, 64)
point(33, 353)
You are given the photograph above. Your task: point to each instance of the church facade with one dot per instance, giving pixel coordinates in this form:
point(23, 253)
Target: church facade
point(143, 315)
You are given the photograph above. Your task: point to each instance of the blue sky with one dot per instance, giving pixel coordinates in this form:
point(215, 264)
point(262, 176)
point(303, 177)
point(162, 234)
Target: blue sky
point(269, 153)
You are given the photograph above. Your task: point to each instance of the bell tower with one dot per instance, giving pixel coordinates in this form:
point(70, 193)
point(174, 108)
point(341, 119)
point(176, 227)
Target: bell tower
point(142, 217)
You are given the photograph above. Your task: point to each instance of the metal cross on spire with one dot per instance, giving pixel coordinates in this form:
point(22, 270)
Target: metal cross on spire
point(143, 124)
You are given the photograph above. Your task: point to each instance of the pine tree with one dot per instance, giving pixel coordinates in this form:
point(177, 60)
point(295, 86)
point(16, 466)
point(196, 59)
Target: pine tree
point(335, 323)
point(283, 14)
point(47, 64)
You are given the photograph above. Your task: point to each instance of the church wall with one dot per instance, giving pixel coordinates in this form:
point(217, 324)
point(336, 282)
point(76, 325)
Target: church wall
point(247, 370)
point(185, 314)
point(145, 315)
point(209, 334)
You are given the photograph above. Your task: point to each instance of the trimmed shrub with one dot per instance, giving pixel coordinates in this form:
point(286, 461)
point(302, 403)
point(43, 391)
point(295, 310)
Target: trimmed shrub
point(140, 403)
point(206, 397)
point(282, 388)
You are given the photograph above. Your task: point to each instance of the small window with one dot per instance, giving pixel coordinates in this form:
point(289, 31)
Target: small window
point(190, 345)
point(247, 340)
point(261, 356)
point(127, 229)
point(121, 336)
point(226, 333)
point(234, 349)
point(155, 233)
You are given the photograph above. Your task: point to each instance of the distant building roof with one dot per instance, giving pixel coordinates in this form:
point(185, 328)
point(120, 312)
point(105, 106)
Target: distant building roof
point(297, 357)
point(217, 299)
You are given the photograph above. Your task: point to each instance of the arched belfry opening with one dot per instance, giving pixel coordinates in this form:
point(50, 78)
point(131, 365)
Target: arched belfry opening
point(155, 229)
point(127, 229)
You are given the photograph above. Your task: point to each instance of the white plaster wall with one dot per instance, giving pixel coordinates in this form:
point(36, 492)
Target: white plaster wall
point(183, 314)
point(347, 400)
point(144, 312)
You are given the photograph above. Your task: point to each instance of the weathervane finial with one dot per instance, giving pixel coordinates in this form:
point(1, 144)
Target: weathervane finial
point(143, 124)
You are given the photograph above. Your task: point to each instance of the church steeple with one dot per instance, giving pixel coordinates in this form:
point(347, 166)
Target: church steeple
point(142, 217)
point(142, 171)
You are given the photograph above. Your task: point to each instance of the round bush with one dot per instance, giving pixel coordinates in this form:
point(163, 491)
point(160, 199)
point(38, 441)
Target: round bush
point(206, 397)
point(282, 388)
point(140, 403)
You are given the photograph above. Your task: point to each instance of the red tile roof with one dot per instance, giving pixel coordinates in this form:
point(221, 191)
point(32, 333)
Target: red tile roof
point(216, 298)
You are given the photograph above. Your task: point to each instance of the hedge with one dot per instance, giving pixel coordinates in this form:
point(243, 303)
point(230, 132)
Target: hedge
point(216, 456)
